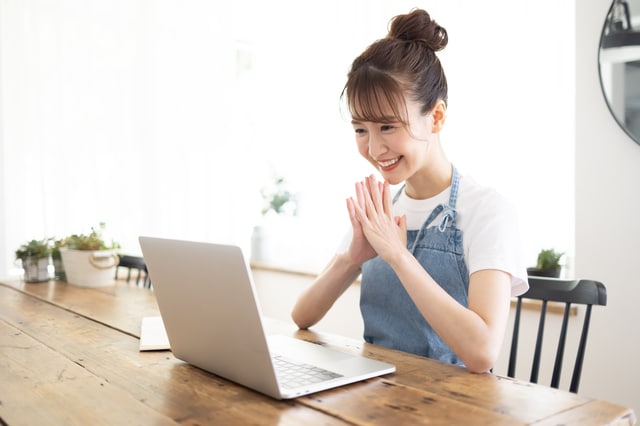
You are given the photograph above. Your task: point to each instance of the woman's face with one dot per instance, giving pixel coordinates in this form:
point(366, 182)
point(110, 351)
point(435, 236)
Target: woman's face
point(396, 151)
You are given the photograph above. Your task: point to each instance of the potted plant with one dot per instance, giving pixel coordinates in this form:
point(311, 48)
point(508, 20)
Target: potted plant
point(56, 257)
point(278, 199)
point(88, 260)
point(278, 202)
point(35, 257)
point(547, 264)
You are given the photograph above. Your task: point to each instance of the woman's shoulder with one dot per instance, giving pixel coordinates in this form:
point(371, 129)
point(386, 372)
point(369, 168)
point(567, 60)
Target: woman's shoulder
point(471, 189)
point(481, 199)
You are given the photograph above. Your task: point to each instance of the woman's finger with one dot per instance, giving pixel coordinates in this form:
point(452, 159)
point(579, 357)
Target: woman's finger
point(360, 204)
point(374, 192)
point(386, 197)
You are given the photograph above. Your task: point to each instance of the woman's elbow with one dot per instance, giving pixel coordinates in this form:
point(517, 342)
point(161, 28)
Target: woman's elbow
point(479, 367)
point(301, 324)
point(301, 318)
point(481, 361)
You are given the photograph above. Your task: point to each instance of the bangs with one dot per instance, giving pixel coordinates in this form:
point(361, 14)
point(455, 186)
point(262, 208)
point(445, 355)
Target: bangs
point(375, 97)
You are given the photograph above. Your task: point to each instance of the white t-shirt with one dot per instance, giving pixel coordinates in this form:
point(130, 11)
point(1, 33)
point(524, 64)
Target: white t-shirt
point(489, 223)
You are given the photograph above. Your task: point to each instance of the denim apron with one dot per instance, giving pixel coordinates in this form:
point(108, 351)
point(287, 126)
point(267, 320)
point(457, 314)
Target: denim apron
point(390, 317)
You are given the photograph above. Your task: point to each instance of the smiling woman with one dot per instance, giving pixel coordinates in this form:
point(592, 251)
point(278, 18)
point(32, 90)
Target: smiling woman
point(167, 119)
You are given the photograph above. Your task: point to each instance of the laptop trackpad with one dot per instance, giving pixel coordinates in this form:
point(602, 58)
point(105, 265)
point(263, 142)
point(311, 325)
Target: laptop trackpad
point(308, 352)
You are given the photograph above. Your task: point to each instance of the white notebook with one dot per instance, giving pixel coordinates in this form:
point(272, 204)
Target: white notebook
point(153, 336)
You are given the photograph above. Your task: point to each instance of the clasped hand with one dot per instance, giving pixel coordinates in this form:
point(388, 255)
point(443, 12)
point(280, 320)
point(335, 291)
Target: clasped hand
point(375, 229)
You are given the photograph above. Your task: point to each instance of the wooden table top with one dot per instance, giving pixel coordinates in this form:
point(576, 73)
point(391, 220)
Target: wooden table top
point(69, 355)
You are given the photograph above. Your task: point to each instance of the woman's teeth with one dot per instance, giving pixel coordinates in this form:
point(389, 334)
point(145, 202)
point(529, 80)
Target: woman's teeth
point(389, 162)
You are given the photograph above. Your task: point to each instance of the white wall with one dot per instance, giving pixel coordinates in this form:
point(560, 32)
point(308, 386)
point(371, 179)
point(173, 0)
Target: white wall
point(607, 223)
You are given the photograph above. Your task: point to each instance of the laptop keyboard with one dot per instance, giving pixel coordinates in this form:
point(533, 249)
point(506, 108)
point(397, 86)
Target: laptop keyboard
point(292, 374)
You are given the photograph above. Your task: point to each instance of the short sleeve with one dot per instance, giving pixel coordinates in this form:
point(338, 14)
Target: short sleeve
point(494, 241)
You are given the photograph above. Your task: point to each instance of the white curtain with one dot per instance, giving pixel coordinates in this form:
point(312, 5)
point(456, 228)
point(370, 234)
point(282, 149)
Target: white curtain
point(167, 117)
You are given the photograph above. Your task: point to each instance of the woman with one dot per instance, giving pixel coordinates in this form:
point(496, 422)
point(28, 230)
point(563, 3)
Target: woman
point(441, 258)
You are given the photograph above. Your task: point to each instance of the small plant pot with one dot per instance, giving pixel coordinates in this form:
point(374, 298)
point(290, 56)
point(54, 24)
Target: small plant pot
point(36, 269)
point(536, 272)
point(58, 269)
point(87, 268)
point(259, 249)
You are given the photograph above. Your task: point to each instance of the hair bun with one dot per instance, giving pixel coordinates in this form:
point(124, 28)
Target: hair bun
point(418, 26)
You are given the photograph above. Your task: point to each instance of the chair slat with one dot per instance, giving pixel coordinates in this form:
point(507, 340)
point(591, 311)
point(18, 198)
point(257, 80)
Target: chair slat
point(535, 368)
point(514, 339)
point(577, 371)
point(557, 365)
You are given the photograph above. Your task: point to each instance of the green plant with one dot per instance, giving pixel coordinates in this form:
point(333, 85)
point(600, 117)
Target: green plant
point(36, 248)
point(549, 259)
point(55, 250)
point(279, 199)
point(91, 241)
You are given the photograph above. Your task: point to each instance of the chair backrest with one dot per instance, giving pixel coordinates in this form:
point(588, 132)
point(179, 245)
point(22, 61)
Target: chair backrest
point(134, 263)
point(580, 292)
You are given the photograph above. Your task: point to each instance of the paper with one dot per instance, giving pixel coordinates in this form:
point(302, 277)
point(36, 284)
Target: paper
point(153, 336)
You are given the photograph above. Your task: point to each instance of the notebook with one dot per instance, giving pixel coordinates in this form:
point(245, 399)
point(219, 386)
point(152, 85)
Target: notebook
point(153, 336)
point(212, 317)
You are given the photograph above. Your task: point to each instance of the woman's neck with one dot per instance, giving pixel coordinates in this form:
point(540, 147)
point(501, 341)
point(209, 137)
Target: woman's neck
point(431, 182)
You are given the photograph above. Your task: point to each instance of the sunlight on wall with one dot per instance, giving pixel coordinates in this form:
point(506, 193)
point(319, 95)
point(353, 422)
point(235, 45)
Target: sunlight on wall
point(167, 117)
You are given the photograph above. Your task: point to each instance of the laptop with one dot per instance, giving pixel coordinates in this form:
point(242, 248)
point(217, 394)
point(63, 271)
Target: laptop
point(212, 317)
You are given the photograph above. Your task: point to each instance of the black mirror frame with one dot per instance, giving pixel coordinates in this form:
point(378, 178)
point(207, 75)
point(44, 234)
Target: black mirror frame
point(635, 138)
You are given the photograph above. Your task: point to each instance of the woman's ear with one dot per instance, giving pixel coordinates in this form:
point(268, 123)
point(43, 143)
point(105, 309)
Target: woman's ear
point(439, 114)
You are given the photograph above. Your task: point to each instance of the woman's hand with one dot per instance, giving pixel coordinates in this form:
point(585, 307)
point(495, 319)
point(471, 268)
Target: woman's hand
point(359, 250)
point(371, 217)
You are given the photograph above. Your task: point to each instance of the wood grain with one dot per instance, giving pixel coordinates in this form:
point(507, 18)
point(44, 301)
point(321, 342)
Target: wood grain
point(69, 355)
point(113, 377)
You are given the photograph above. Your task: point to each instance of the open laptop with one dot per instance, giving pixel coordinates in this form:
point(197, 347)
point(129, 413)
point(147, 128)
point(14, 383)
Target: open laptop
point(212, 317)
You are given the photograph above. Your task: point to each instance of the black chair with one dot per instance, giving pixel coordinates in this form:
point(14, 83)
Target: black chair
point(136, 263)
point(578, 292)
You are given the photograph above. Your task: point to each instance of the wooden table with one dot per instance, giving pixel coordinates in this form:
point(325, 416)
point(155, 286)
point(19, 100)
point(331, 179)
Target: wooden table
point(69, 355)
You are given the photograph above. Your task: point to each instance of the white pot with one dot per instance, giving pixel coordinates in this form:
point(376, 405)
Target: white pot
point(87, 268)
point(36, 269)
point(259, 249)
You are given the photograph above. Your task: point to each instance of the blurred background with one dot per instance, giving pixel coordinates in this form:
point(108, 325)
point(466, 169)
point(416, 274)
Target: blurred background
point(170, 118)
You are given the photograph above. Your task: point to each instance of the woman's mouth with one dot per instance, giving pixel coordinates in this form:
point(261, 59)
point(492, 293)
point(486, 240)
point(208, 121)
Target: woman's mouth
point(388, 165)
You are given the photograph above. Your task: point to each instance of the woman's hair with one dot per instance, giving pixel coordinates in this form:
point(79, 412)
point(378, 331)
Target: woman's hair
point(402, 63)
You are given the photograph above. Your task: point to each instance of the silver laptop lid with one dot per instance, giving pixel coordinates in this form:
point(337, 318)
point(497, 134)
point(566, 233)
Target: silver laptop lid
point(207, 300)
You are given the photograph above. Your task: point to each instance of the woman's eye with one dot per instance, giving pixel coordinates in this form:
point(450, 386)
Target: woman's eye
point(359, 131)
point(386, 127)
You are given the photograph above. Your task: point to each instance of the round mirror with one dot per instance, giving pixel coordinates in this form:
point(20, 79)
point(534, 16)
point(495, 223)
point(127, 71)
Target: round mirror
point(619, 64)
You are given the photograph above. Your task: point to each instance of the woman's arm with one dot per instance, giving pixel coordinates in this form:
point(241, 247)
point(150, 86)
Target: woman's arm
point(474, 334)
point(316, 300)
point(341, 272)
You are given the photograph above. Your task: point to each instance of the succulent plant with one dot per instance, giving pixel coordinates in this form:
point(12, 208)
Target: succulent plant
point(91, 241)
point(549, 259)
point(35, 248)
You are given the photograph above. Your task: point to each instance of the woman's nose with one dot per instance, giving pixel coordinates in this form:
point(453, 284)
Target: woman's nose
point(377, 146)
